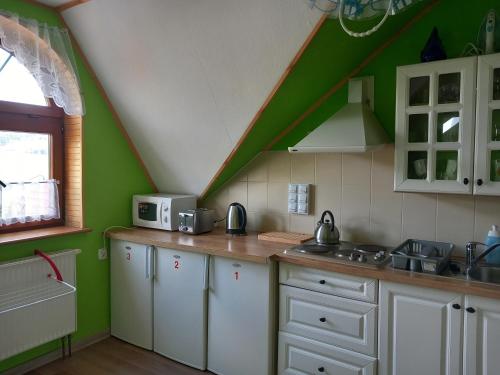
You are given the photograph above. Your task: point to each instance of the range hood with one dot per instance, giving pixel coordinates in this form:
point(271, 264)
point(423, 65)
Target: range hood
point(354, 128)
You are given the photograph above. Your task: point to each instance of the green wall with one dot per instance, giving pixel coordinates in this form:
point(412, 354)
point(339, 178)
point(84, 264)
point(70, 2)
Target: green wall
point(111, 175)
point(332, 54)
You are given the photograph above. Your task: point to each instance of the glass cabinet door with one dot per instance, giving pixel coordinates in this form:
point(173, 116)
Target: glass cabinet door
point(487, 157)
point(434, 126)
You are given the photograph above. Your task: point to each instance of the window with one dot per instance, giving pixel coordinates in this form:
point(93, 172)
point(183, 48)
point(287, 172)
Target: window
point(31, 151)
point(16, 83)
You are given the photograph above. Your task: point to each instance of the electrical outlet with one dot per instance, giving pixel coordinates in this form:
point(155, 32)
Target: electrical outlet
point(102, 254)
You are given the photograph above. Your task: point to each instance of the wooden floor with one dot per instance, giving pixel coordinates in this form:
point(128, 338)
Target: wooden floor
point(113, 356)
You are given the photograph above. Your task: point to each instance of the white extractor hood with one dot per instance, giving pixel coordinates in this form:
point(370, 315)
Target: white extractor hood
point(354, 128)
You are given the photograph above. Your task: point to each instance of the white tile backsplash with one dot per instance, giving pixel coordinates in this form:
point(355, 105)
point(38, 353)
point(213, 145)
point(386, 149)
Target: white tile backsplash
point(419, 216)
point(358, 189)
point(303, 166)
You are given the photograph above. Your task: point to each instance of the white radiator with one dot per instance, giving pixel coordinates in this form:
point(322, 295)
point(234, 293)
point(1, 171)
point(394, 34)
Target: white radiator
point(36, 308)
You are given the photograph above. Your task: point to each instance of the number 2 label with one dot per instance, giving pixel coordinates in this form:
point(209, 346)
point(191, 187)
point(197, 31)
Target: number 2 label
point(177, 264)
point(236, 275)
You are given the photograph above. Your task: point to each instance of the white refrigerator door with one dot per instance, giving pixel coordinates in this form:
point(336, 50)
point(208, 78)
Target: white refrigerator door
point(240, 318)
point(132, 293)
point(180, 308)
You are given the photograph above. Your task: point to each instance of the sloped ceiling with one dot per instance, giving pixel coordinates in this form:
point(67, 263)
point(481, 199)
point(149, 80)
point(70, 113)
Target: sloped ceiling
point(187, 76)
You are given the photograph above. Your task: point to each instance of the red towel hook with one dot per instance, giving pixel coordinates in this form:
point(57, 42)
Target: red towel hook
point(45, 256)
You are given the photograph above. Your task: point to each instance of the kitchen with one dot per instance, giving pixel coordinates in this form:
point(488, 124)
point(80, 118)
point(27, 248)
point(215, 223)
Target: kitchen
point(371, 198)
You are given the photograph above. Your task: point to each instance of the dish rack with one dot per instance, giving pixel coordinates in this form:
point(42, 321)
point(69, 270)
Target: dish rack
point(422, 256)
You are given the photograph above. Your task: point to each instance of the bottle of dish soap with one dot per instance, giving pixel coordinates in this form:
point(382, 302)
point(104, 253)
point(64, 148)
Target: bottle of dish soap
point(493, 238)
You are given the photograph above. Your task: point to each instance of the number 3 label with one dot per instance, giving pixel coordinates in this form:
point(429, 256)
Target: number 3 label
point(236, 275)
point(128, 256)
point(177, 264)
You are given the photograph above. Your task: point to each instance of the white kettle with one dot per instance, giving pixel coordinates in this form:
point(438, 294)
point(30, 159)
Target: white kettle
point(326, 233)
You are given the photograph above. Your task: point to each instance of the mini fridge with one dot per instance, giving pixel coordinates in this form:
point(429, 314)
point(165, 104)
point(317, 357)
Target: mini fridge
point(159, 300)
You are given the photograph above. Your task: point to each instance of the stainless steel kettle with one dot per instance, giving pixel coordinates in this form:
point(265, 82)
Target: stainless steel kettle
point(326, 233)
point(236, 219)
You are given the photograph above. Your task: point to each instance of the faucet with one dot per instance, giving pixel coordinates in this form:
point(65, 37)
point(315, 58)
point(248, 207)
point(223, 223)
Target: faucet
point(471, 260)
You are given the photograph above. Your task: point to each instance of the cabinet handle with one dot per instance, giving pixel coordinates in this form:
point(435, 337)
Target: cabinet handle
point(466, 181)
point(322, 320)
point(456, 306)
point(321, 369)
point(479, 182)
point(322, 282)
point(205, 275)
point(470, 310)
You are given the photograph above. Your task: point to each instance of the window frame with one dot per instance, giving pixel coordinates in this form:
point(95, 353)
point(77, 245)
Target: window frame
point(50, 119)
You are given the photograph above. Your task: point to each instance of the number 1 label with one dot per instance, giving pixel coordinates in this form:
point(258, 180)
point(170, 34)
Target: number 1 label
point(236, 275)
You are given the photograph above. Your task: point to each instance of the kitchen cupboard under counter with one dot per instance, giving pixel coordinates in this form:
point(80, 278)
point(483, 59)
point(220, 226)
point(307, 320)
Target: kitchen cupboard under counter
point(216, 243)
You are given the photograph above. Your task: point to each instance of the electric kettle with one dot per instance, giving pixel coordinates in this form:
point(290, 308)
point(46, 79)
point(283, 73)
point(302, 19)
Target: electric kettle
point(326, 233)
point(236, 219)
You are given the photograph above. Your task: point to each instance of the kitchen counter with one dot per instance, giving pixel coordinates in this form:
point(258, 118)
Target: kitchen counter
point(251, 249)
point(214, 243)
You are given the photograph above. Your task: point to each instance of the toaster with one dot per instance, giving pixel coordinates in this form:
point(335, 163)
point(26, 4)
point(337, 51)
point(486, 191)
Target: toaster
point(199, 220)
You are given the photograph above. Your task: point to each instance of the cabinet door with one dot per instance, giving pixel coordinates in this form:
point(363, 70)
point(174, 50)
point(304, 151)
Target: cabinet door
point(435, 125)
point(487, 157)
point(180, 306)
point(132, 293)
point(240, 317)
point(420, 331)
point(482, 336)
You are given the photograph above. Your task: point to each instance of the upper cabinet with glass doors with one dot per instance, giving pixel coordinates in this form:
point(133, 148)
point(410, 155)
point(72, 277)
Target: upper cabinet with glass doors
point(487, 157)
point(436, 119)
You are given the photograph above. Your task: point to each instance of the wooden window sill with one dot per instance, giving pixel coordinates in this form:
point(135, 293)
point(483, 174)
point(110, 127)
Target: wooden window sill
point(36, 234)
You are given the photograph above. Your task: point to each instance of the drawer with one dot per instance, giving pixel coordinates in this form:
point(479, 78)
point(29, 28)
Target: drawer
point(338, 284)
point(333, 320)
point(298, 355)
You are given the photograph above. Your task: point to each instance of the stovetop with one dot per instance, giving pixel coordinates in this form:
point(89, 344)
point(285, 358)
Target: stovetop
point(344, 252)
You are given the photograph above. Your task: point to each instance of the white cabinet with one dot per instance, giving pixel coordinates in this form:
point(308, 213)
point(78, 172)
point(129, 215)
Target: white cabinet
point(487, 156)
point(322, 331)
point(441, 107)
point(482, 336)
point(241, 332)
point(435, 109)
point(420, 331)
point(132, 293)
point(180, 306)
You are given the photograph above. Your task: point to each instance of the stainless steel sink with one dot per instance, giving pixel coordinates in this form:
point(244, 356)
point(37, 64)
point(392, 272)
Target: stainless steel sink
point(483, 273)
point(487, 274)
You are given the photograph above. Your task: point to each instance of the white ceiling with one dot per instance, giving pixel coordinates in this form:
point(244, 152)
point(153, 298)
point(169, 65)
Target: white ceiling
point(54, 3)
point(187, 76)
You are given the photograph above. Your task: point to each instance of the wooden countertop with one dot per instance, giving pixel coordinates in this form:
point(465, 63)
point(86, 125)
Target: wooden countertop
point(214, 243)
point(251, 249)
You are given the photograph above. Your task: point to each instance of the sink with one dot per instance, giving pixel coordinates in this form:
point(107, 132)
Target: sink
point(483, 273)
point(487, 274)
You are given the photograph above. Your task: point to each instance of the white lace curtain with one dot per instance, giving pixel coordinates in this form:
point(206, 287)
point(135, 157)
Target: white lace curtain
point(47, 53)
point(30, 201)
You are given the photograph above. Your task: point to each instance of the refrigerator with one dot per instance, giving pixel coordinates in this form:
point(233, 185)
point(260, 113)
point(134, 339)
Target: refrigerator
point(159, 300)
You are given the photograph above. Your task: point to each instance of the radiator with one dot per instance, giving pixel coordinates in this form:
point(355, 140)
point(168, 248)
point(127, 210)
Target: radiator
point(35, 307)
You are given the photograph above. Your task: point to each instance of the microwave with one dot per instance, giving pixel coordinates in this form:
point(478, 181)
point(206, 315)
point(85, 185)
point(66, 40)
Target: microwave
point(160, 211)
